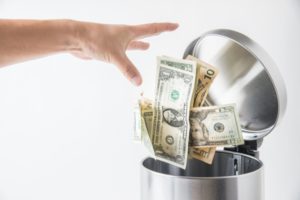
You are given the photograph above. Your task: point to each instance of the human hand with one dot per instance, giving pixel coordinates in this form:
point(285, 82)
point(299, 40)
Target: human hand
point(109, 43)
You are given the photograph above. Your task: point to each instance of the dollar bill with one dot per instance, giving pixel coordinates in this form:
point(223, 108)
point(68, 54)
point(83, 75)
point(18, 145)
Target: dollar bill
point(205, 75)
point(146, 121)
point(204, 78)
point(170, 128)
point(137, 129)
point(146, 106)
point(215, 126)
point(205, 154)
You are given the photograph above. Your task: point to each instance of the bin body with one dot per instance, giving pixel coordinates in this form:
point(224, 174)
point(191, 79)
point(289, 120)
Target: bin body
point(248, 77)
point(232, 176)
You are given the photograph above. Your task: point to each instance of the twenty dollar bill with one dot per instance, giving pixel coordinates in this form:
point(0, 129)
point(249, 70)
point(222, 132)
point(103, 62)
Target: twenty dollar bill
point(205, 154)
point(215, 126)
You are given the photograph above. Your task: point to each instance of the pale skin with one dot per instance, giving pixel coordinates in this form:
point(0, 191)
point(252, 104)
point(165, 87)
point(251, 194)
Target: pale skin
point(22, 40)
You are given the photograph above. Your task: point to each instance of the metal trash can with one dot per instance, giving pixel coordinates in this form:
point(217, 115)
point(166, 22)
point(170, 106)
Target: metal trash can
point(249, 78)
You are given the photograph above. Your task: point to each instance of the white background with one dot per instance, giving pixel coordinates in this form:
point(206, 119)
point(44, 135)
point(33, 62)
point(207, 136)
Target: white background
point(66, 124)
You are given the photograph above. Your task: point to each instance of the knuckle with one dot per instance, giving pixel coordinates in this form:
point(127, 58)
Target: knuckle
point(128, 71)
point(155, 28)
point(134, 44)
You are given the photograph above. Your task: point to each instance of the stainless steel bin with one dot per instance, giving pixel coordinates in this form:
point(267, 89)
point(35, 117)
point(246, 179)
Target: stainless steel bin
point(231, 176)
point(248, 77)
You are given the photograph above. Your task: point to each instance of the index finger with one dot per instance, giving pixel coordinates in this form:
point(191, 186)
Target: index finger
point(146, 30)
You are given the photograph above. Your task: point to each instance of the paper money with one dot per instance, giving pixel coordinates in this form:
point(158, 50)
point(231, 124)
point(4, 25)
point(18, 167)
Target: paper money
point(170, 128)
point(146, 106)
point(166, 126)
point(137, 129)
point(205, 154)
point(205, 75)
point(146, 121)
point(204, 78)
point(215, 126)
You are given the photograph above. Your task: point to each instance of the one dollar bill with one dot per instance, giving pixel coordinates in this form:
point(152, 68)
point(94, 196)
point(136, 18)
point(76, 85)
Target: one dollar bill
point(170, 128)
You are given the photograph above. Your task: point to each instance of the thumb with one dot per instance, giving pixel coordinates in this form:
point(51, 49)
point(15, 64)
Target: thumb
point(128, 69)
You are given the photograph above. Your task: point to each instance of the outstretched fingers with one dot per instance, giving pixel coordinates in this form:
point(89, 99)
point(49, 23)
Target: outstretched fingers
point(138, 45)
point(128, 69)
point(135, 32)
point(146, 30)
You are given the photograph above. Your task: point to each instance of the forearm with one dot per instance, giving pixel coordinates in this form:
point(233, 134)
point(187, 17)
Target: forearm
point(22, 40)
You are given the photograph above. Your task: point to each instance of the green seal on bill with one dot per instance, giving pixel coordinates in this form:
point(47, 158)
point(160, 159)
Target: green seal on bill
point(174, 95)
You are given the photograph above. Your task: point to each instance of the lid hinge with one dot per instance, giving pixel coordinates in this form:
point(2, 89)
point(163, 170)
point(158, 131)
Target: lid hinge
point(250, 147)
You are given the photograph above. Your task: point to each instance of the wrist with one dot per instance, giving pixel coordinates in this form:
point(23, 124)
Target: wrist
point(74, 31)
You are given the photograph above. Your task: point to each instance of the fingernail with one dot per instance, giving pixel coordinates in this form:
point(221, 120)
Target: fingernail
point(136, 80)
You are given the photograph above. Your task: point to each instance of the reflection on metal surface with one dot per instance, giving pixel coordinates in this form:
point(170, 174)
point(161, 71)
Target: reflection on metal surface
point(232, 176)
point(248, 77)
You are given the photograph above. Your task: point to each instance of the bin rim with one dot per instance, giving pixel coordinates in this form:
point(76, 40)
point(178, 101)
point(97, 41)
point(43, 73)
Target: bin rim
point(207, 177)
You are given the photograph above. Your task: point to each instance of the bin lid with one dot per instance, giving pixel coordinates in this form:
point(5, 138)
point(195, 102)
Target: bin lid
point(247, 76)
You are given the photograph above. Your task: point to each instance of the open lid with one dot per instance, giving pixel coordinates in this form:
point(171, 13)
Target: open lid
point(248, 77)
